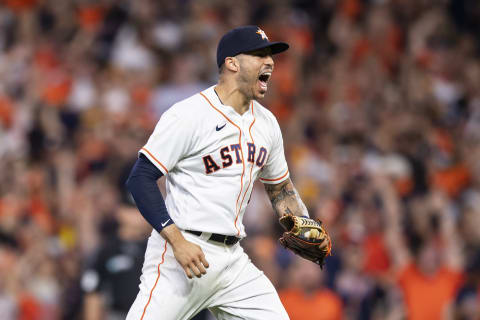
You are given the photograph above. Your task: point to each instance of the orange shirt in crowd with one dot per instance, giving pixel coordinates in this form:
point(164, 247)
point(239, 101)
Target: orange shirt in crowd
point(426, 297)
point(321, 305)
point(377, 260)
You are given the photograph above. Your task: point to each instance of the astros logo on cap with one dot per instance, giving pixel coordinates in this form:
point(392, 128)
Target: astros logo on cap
point(262, 33)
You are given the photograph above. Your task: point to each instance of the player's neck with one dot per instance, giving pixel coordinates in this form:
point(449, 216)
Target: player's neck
point(231, 96)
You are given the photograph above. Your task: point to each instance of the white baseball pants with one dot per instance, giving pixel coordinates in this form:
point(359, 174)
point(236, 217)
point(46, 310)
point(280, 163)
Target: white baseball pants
point(233, 287)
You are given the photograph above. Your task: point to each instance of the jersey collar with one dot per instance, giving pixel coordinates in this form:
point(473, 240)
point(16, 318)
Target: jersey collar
point(213, 97)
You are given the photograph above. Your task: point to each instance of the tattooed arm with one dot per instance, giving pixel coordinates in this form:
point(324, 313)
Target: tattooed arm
point(285, 199)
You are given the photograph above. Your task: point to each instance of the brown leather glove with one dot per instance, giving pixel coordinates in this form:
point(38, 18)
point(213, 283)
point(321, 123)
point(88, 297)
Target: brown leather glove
point(306, 238)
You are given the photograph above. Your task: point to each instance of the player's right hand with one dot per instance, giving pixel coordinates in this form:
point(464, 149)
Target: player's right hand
point(190, 256)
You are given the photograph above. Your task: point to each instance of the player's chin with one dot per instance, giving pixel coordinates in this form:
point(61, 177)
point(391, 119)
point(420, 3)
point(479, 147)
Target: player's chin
point(260, 94)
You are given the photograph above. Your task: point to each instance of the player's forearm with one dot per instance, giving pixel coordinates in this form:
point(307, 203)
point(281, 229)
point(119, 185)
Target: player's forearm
point(142, 184)
point(285, 199)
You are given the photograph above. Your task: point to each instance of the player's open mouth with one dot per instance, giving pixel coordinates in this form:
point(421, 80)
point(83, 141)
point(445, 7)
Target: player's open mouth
point(263, 79)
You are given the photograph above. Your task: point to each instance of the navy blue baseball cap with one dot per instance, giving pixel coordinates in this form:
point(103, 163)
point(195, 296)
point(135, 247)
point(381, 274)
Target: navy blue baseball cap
point(244, 39)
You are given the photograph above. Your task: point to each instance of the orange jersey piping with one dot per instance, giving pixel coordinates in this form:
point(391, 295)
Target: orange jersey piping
point(277, 178)
point(241, 151)
point(151, 155)
point(156, 281)
point(251, 169)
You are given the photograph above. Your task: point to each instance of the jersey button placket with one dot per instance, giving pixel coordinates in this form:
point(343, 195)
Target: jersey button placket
point(246, 179)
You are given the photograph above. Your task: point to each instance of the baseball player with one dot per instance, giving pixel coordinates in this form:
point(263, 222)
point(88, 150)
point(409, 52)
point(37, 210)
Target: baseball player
point(212, 147)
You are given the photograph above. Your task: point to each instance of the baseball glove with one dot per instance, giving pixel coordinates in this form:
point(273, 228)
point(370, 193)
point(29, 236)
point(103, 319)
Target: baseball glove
point(306, 238)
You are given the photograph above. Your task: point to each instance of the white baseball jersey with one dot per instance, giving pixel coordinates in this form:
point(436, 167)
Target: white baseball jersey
point(211, 156)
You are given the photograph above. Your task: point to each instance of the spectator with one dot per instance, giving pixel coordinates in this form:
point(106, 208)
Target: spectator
point(309, 299)
point(428, 282)
point(110, 279)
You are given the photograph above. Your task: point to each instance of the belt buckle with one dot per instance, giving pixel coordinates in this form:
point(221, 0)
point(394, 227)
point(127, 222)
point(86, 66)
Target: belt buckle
point(225, 240)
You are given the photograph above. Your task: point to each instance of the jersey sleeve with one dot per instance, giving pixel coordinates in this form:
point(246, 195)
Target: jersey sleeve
point(171, 140)
point(276, 168)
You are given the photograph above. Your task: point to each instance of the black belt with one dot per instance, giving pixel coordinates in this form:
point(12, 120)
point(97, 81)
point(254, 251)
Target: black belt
point(229, 240)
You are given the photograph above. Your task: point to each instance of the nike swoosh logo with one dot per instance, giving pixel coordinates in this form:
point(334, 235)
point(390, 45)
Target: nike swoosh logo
point(163, 224)
point(220, 128)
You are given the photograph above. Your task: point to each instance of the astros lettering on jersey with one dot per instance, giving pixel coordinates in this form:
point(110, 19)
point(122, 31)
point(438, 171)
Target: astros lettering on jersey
point(213, 160)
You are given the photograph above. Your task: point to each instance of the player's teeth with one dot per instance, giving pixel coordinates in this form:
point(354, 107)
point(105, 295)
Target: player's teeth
point(264, 77)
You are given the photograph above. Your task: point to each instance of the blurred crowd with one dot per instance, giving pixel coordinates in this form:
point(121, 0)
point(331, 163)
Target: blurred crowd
point(379, 103)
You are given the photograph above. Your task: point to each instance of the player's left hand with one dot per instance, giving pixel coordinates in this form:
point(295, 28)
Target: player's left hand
point(306, 237)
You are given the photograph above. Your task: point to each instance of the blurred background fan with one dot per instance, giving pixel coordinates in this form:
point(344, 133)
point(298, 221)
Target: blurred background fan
point(379, 103)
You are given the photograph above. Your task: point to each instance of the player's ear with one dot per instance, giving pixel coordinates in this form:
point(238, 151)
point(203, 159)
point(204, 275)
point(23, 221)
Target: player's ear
point(232, 64)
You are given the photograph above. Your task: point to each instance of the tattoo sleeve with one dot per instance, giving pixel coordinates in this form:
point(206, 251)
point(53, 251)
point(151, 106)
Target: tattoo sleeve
point(285, 199)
